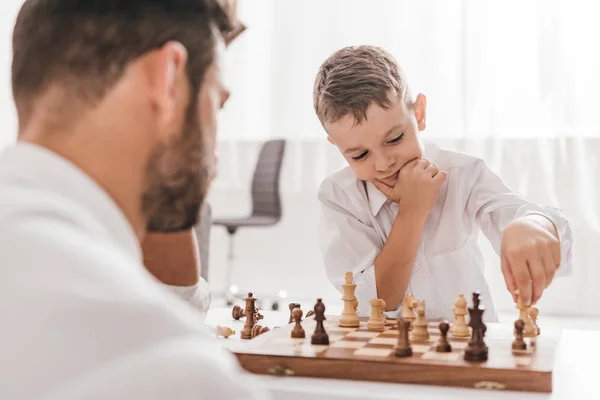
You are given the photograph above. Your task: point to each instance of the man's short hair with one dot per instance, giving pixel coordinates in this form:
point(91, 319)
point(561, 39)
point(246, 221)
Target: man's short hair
point(353, 78)
point(84, 45)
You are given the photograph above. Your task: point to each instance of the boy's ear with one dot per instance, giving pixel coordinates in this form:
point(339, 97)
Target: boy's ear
point(330, 140)
point(420, 106)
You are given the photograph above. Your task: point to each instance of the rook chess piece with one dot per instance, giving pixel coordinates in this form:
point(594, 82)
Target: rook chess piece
point(533, 314)
point(403, 348)
point(530, 330)
point(298, 331)
point(250, 308)
point(419, 331)
point(443, 346)
point(460, 327)
point(349, 319)
point(376, 321)
point(519, 343)
point(476, 349)
point(320, 335)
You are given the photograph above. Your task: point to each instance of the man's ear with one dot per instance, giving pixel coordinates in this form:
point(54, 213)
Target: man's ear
point(420, 107)
point(330, 140)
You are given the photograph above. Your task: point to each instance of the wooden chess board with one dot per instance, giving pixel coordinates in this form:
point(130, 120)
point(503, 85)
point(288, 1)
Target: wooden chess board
point(361, 354)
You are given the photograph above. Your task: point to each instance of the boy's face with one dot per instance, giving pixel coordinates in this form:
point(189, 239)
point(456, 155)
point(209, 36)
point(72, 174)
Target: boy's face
point(383, 143)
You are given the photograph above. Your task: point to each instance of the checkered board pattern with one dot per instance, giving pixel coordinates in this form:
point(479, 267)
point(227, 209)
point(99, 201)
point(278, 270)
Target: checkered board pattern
point(375, 349)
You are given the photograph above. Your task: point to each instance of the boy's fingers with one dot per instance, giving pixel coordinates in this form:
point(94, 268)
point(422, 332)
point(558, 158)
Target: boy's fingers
point(440, 177)
point(511, 283)
point(520, 271)
point(549, 267)
point(432, 170)
point(538, 278)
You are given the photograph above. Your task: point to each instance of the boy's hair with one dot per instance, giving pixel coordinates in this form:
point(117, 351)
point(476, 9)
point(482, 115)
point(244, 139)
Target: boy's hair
point(353, 78)
point(84, 45)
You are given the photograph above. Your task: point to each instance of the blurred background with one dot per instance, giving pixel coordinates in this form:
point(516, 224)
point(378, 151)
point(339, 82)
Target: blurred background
point(515, 82)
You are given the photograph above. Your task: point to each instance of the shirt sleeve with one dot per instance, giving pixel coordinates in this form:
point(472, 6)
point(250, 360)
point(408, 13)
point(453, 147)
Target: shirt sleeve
point(347, 244)
point(197, 295)
point(494, 206)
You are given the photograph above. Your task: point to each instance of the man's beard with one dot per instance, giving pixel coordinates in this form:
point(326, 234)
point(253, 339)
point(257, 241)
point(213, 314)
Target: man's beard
point(177, 179)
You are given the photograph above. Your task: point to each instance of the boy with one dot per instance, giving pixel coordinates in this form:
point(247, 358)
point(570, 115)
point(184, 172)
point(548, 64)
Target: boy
point(404, 216)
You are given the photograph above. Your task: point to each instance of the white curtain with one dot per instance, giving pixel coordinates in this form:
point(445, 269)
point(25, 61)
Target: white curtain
point(515, 82)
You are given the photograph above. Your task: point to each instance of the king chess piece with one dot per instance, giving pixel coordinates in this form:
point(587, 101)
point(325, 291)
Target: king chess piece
point(320, 336)
point(476, 349)
point(349, 319)
point(251, 315)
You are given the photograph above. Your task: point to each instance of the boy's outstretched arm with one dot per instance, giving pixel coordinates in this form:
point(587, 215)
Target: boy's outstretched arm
point(533, 241)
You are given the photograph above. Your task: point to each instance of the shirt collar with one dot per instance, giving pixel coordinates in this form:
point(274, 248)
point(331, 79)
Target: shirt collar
point(39, 167)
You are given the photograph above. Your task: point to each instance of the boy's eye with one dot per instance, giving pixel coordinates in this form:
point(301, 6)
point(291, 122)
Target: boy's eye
point(360, 156)
point(396, 140)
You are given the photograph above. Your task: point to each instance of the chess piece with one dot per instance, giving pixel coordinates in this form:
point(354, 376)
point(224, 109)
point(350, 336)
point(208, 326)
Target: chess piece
point(533, 314)
point(419, 331)
point(519, 343)
point(238, 312)
point(476, 349)
point(292, 307)
point(259, 330)
point(224, 331)
point(376, 321)
point(310, 313)
point(320, 335)
point(249, 310)
point(408, 309)
point(298, 331)
point(460, 327)
point(530, 330)
point(443, 346)
point(349, 319)
point(403, 348)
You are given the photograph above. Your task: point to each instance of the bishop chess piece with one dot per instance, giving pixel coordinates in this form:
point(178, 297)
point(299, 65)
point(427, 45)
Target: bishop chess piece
point(533, 314)
point(349, 319)
point(519, 343)
point(251, 319)
point(476, 349)
point(529, 331)
point(298, 331)
point(419, 331)
point(320, 335)
point(408, 309)
point(443, 346)
point(292, 306)
point(403, 348)
point(460, 328)
point(376, 321)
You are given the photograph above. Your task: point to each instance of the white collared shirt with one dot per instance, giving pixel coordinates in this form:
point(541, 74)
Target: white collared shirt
point(81, 316)
point(357, 218)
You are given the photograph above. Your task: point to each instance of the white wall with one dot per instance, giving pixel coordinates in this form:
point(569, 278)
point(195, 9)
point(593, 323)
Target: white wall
point(8, 118)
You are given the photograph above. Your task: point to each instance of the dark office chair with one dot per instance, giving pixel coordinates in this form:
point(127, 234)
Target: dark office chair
point(266, 201)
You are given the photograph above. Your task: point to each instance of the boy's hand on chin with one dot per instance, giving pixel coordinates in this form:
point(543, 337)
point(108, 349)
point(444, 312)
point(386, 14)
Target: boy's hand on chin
point(417, 187)
point(530, 256)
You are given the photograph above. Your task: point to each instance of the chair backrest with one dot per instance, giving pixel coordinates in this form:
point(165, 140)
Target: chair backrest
point(266, 199)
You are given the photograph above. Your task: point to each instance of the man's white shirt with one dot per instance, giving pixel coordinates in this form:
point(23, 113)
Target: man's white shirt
point(356, 220)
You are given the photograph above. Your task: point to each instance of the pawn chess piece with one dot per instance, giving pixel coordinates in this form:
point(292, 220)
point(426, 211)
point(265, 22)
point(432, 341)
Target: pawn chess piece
point(249, 311)
point(476, 349)
point(419, 331)
point(519, 343)
point(292, 306)
point(460, 328)
point(376, 321)
point(408, 309)
point(224, 331)
point(530, 330)
point(298, 331)
point(403, 348)
point(443, 346)
point(349, 319)
point(320, 336)
point(533, 314)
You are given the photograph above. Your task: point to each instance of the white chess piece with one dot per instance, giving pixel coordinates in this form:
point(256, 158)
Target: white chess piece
point(376, 321)
point(419, 331)
point(349, 319)
point(460, 327)
point(530, 330)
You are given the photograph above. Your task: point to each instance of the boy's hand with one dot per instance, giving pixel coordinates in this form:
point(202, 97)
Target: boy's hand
point(417, 187)
point(530, 256)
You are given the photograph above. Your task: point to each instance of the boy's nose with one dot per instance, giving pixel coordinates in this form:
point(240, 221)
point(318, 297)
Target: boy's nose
point(383, 163)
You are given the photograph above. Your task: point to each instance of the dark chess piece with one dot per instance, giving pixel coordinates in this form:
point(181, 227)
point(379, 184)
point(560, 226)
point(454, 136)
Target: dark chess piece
point(443, 346)
point(320, 335)
point(519, 343)
point(298, 331)
point(259, 330)
point(310, 313)
point(292, 307)
point(403, 348)
point(476, 349)
point(250, 309)
point(238, 312)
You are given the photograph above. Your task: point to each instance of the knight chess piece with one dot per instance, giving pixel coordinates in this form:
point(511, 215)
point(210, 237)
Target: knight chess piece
point(298, 331)
point(519, 343)
point(403, 348)
point(529, 331)
point(419, 331)
point(443, 346)
point(349, 319)
point(460, 328)
point(476, 349)
point(320, 336)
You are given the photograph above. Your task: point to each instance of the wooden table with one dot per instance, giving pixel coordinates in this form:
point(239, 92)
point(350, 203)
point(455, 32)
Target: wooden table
point(575, 373)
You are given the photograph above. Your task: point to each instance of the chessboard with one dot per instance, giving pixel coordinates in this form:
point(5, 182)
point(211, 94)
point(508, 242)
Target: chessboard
point(364, 354)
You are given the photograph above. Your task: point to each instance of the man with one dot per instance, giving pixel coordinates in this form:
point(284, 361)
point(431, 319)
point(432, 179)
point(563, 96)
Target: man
point(117, 103)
